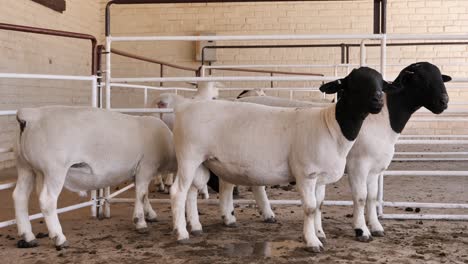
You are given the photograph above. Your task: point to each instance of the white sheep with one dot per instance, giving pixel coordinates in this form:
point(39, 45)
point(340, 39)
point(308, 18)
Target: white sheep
point(82, 148)
point(249, 144)
point(205, 91)
point(418, 85)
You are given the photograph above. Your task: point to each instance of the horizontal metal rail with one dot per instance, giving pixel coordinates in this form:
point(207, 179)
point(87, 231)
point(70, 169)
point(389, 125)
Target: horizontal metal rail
point(431, 153)
point(143, 110)
point(225, 78)
point(8, 185)
point(159, 88)
point(424, 217)
point(427, 205)
point(47, 76)
point(249, 37)
point(427, 173)
point(429, 159)
point(431, 142)
point(59, 211)
point(58, 33)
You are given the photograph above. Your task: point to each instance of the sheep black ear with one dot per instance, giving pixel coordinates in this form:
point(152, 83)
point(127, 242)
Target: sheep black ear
point(391, 88)
point(332, 87)
point(446, 78)
point(242, 93)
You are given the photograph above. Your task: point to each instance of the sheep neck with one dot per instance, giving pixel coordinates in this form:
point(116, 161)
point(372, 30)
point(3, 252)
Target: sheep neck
point(349, 119)
point(400, 108)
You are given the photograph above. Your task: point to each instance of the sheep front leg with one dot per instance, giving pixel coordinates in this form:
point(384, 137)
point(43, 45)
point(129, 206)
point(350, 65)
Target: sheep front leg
point(54, 180)
point(178, 191)
point(372, 218)
point(226, 203)
point(357, 180)
point(320, 194)
point(263, 203)
point(23, 189)
point(306, 189)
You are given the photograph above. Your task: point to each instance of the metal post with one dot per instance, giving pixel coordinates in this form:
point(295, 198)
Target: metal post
point(161, 74)
point(362, 61)
point(94, 93)
point(108, 72)
point(145, 100)
point(271, 83)
point(94, 206)
point(383, 55)
point(377, 17)
point(107, 202)
point(380, 196)
point(100, 203)
point(383, 22)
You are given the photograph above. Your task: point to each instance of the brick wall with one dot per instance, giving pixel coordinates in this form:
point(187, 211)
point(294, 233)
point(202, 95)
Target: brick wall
point(28, 53)
point(36, 54)
point(347, 17)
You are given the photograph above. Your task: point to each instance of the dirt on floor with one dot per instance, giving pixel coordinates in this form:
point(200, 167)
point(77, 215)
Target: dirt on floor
point(114, 240)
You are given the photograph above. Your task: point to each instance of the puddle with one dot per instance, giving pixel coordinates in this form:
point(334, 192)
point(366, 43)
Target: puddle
point(262, 249)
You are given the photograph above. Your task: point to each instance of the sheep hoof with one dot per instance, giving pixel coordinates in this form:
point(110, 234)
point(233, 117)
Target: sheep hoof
point(143, 230)
point(62, 246)
point(197, 232)
point(231, 225)
point(24, 244)
point(184, 241)
point(378, 233)
point(323, 240)
point(270, 220)
point(364, 239)
point(314, 249)
point(151, 220)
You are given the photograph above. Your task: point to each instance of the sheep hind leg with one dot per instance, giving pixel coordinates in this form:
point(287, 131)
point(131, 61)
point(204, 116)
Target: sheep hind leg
point(320, 194)
point(185, 175)
point(372, 189)
point(263, 203)
point(226, 203)
point(142, 181)
point(23, 189)
point(53, 182)
point(192, 212)
point(150, 214)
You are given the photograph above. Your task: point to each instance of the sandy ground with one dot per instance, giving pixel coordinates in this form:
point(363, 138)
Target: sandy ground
point(115, 241)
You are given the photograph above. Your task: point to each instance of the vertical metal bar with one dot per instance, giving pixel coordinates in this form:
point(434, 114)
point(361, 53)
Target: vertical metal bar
point(107, 203)
point(145, 100)
point(347, 53)
point(93, 207)
point(94, 93)
point(291, 95)
point(271, 82)
point(362, 61)
point(343, 53)
point(161, 74)
point(383, 55)
point(108, 72)
point(377, 17)
point(380, 195)
point(100, 207)
point(202, 71)
point(383, 23)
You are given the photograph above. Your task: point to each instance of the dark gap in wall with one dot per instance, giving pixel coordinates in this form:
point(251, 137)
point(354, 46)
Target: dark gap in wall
point(56, 5)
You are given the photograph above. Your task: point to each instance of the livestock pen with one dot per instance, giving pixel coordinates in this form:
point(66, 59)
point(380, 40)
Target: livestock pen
point(427, 174)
